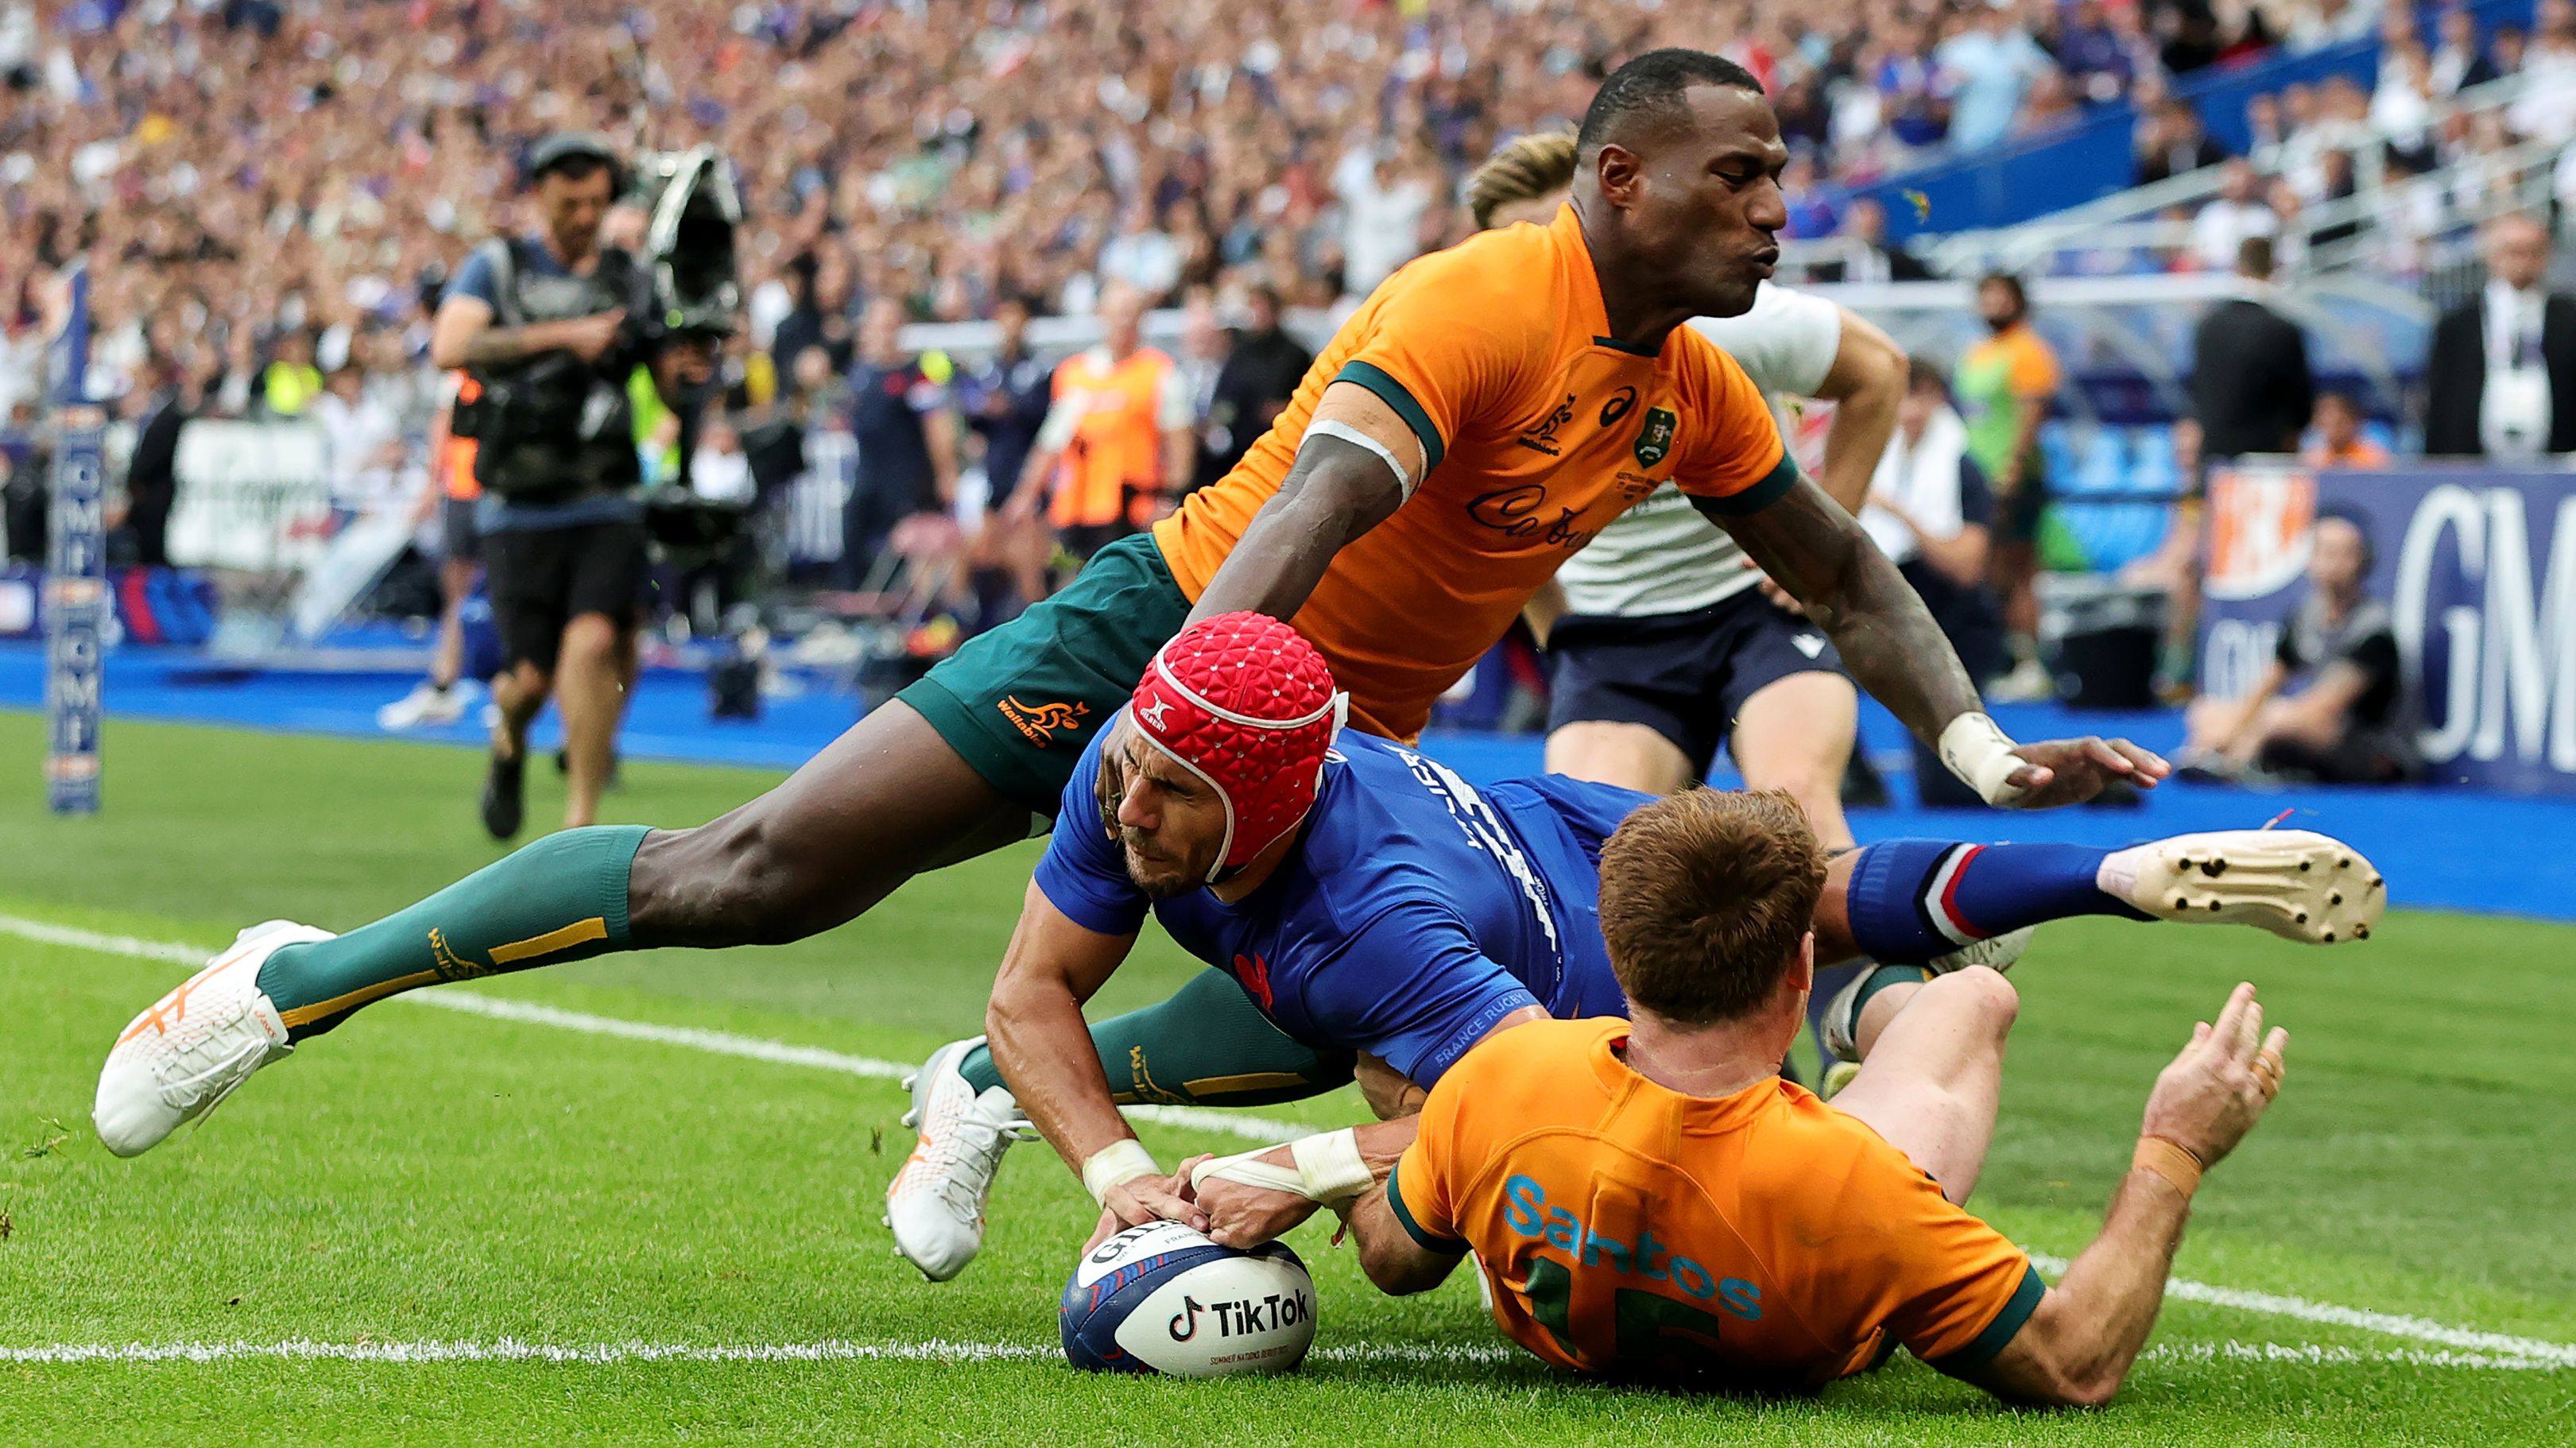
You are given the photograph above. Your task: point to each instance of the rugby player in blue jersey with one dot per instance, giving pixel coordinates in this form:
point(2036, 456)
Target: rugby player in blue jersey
point(1383, 914)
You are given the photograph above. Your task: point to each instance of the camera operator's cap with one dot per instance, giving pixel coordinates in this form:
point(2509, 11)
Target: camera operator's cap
point(564, 146)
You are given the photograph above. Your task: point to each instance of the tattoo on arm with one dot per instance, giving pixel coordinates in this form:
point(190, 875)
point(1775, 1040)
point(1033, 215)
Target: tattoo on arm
point(1818, 552)
point(502, 346)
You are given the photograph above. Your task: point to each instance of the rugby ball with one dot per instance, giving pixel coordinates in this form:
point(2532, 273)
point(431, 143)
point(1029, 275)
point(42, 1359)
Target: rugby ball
point(1162, 1298)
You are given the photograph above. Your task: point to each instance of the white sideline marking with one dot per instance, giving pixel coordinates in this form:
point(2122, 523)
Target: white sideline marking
point(937, 1350)
point(2558, 1354)
point(721, 1043)
point(2504, 1348)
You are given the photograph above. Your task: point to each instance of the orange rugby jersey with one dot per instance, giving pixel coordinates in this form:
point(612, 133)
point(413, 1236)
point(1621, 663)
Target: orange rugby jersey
point(1538, 428)
point(1764, 1237)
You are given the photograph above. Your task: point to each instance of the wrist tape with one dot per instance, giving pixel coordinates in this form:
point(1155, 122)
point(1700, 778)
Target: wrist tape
point(1978, 751)
point(2171, 1160)
point(1123, 1160)
point(1327, 1168)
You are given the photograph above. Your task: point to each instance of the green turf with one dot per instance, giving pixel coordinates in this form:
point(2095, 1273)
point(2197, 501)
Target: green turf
point(420, 1175)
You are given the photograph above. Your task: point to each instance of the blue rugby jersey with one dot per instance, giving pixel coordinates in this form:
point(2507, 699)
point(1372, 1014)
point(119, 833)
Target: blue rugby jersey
point(1413, 912)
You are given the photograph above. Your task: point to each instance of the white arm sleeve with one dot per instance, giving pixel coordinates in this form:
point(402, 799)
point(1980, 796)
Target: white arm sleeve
point(1786, 343)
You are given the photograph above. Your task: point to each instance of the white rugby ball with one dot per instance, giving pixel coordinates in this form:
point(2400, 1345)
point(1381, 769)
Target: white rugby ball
point(1162, 1298)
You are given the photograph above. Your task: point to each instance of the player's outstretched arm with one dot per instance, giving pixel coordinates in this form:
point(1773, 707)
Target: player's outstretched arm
point(1042, 1047)
point(1358, 462)
point(2078, 1345)
point(1817, 551)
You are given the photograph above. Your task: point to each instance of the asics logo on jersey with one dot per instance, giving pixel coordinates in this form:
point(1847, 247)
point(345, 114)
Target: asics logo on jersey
point(1619, 405)
point(1038, 722)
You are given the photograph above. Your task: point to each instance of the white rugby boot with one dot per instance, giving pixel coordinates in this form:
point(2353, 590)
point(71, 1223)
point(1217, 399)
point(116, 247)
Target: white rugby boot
point(1842, 1013)
point(2297, 884)
point(426, 706)
point(936, 1203)
point(196, 1045)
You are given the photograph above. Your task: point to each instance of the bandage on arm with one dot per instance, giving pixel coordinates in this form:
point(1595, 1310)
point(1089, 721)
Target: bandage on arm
point(1326, 1168)
point(1980, 753)
point(1120, 1161)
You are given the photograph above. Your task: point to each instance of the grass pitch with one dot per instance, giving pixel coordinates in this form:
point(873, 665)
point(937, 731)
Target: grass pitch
point(436, 1228)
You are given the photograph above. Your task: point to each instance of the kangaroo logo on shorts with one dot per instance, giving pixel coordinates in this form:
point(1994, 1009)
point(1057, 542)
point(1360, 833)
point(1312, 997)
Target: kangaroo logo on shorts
point(1038, 722)
point(1655, 436)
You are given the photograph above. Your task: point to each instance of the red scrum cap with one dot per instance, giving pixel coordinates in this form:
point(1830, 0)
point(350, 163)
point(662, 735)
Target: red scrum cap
point(1245, 703)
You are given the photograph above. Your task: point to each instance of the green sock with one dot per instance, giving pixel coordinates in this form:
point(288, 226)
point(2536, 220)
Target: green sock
point(1209, 1045)
point(1880, 979)
point(560, 899)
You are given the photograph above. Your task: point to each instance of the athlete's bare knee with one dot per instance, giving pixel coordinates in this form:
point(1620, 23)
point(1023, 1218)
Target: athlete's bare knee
point(590, 640)
point(1982, 992)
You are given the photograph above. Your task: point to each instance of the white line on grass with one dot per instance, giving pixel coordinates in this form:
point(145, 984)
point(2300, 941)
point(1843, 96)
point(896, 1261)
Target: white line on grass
point(2393, 1324)
point(2502, 1346)
point(721, 1043)
point(937, 1350)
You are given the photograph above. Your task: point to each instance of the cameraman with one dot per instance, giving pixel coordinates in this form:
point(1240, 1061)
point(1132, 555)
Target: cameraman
point(540, 323)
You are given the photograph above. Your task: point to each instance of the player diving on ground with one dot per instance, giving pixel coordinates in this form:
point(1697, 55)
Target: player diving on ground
point(1370, 905)
point(1451, 446)
point(1645, 1199)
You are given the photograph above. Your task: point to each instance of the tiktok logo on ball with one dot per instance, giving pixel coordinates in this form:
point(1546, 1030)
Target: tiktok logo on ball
point(1272, 1313)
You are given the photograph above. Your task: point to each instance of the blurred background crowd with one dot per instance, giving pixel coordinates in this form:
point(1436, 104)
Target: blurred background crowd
point(271, 194)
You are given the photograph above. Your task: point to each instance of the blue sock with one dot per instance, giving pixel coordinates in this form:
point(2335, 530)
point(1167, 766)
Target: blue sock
point(1911, 900)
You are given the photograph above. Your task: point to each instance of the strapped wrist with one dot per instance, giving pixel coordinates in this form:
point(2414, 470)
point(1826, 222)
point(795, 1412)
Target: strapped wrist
point(1980, 753)
point(2169, 1159)
point(1122, 1160)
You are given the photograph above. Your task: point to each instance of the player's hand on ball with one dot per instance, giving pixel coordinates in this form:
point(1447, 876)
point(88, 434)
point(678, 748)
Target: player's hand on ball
point(1139, 1200)
point(2071, 771)
point(1242, 1215)
point(2216, 1090)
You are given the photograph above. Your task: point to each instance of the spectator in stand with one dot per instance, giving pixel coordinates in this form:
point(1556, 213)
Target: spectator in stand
point(1383, 206)
point(907, 438)
point(2340, 441)
point(2050, 105)
point(1866, 256)
point(1917, 90)
point(2508, 48)
point(2101, 58)
point(1260, 376)
point(1142, 254)
point(290, 382)
point(2251, 389)
point(2546, 109)
point(362, 440)
point(2007, 384)
point(1996, 63)
point(2353, 722)
point(2171, 141)
point(2236, 213)
point(2503, 365)
point(2318, 24)
point(151, 475)
point(818, 287)
point(2459, 62)
point(1811, 206)
point(1200, 361)
point(1931, 512)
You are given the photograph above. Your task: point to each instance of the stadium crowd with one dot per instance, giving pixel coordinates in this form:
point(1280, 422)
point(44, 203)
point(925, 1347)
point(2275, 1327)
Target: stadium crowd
point(245, 171)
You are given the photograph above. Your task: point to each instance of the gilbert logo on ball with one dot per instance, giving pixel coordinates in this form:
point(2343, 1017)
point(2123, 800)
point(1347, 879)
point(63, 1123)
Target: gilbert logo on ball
point(1162, 1298)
